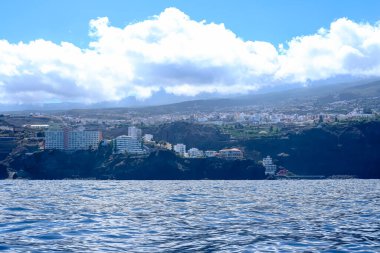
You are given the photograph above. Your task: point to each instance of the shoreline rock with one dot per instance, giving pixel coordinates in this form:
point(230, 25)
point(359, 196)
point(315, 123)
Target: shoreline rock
point(159, 165)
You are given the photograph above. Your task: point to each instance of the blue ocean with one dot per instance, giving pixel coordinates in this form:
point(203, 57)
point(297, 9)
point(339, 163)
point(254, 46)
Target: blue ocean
point(190, 216)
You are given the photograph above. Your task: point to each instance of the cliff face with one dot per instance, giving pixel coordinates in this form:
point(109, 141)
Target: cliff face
point(351, 149)
point(53, 164)
point(165, 165)
point(160, 165)
point(329, 150)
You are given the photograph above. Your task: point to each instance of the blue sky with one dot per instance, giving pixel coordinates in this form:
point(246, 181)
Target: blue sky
point(275, 21)
point(95, 51)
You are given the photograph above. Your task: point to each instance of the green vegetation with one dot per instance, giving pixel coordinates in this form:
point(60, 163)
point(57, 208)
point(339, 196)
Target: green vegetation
point(246, 132)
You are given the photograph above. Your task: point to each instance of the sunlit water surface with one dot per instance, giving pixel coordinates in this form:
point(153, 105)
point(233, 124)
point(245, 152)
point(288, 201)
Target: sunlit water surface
point(190, 216)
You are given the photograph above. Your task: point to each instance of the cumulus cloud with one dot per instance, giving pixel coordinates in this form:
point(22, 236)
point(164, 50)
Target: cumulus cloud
point(347, 48)
point(181, 56)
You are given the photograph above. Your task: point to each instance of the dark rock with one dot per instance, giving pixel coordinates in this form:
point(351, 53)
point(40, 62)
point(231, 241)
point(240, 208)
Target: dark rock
point(159, 165)
point(351, 149)
point(3, 171)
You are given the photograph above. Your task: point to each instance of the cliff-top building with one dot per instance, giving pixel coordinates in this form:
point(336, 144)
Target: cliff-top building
point(148, 138)
point(231, 153)
point(195, 153)
point(270, 168)
point(211, 153)
point(180, 149)
point(128, 144)
point(67, 139)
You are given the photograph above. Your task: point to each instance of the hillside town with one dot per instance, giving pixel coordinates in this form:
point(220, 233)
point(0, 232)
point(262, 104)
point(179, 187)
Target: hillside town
point(215, 137)
point(134, 143)
point(249, 116)
point(110, 119)
point(69, 132)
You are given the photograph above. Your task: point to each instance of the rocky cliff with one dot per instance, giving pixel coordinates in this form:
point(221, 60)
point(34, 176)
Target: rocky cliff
point(352, 149)
point(337, 149)
point(159, 165)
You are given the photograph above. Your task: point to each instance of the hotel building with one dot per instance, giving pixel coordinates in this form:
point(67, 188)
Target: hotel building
point(128, 144)
point(66, 139)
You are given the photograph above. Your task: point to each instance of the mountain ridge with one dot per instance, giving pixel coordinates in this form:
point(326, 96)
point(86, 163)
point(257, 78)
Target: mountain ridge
point(315, 93)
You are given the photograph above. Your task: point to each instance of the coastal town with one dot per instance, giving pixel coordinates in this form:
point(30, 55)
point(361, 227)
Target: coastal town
point(134, 143)
point(69, 132)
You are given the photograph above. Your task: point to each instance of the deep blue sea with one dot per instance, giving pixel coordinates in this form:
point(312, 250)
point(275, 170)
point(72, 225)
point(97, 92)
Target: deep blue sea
point(190, 216)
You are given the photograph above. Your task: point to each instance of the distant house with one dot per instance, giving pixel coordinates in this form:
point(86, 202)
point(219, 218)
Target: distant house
point(270, 168)
point(6, 128)
point(231, 153)
point(180, 149)
point(167, 145)
point(211, 153)
point(148, 137)
point(195, 153)
point(37, 127)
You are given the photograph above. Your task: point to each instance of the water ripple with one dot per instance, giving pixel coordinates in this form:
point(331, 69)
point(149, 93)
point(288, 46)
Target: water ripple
point(188, 216)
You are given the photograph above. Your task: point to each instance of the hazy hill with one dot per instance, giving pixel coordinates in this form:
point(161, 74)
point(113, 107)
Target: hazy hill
point(315, 95)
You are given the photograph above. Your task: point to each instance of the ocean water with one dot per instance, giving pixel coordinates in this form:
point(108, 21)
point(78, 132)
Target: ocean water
point(190, 216)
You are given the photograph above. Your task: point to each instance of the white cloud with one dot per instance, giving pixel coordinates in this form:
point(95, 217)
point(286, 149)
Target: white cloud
point(180, 56)
point(347, 48)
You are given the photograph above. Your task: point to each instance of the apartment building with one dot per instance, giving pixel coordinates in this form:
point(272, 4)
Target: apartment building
point(67, 139)
point(128, 144)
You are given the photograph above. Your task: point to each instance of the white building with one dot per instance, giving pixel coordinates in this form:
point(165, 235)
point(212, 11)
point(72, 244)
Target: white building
point(195, 153)
point(65, 139)
point(148, 137)
point(231, 153)
point(128, 144)
point(6, 128)
point(38, 127)
point(134, 132)
point(180, 149)
point(270, 168)
point(210, 153)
